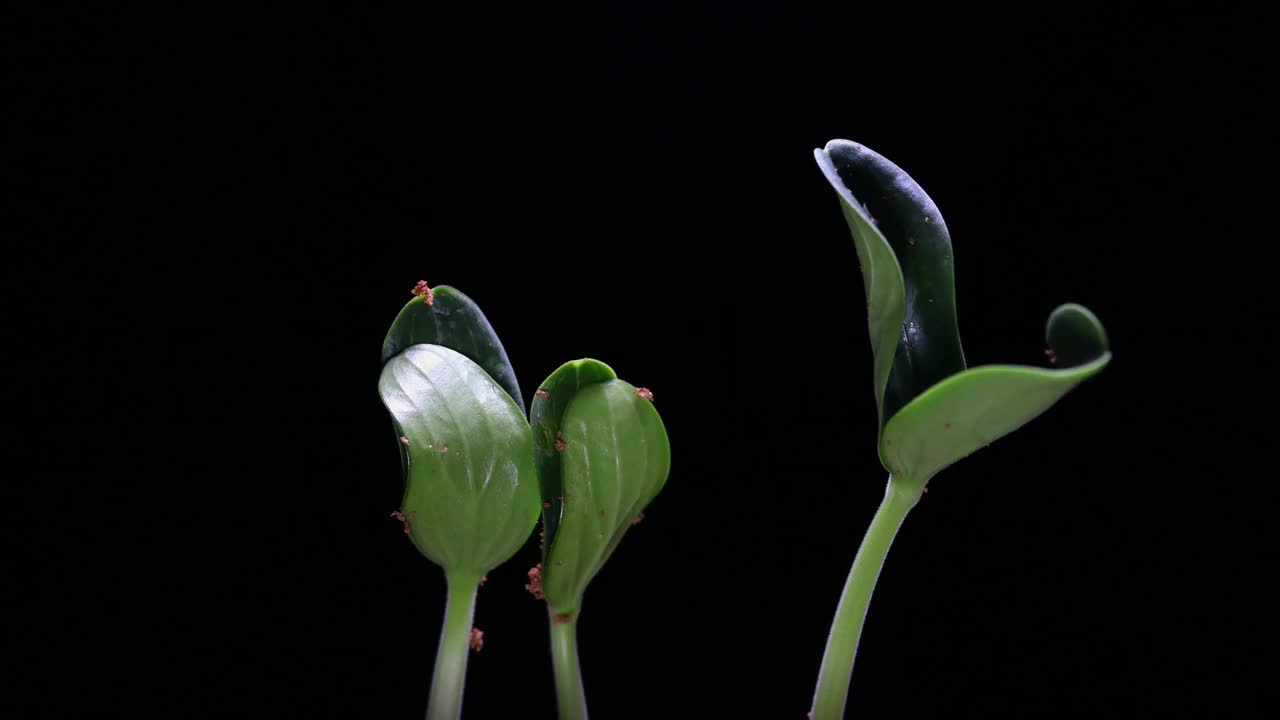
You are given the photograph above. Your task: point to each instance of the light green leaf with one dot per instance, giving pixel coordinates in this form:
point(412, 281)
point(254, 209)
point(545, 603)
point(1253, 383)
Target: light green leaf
point(471, 496)
point(615, 460)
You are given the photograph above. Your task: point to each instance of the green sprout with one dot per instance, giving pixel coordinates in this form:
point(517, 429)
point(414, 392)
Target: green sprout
point(602, 456)
point(932, 410)
point(476, 472)
point(471, 495)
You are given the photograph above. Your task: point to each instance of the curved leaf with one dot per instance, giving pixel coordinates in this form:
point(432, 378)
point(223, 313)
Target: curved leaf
point(905, 252)
point(932, 410)
point(545, 415)
point(454, 321)
point(615, 461)
point(971, 409)
point(471, 495)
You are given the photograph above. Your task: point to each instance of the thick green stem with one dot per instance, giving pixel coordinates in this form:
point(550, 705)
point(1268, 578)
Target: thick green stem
point(450, 673)
point(570, 698)
point(846, 628)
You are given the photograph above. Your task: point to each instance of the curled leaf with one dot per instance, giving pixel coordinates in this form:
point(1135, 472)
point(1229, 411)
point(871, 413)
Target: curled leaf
point(613, 460)
point(933, 411)
point(546, 416)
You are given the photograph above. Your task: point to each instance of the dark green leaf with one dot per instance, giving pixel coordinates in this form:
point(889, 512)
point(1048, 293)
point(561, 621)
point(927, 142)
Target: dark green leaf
point(454, 321)
point(907, 265)
point(471, 495)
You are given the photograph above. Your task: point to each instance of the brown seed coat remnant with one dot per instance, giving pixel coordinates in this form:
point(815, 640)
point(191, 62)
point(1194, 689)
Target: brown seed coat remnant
point(421, 290)
point(535, 582)
point(560, 446)
point(483, 580)
point(477, 639)
point(444, 448)
point(542, 394)
point(405, 520)
point(645, 393)
point(1053, 358)
point(404, 440)
point(638, 519)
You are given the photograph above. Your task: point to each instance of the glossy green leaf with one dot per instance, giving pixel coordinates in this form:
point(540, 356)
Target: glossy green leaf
point(615, 460)
point(471, 497)
point(546, 413)
point(932, 410)
point(455, 321)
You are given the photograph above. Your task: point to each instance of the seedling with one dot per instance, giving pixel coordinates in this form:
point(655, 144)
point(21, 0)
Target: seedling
point(602, 456)
point(595, 456)
point(471, 492)
point(932, 410)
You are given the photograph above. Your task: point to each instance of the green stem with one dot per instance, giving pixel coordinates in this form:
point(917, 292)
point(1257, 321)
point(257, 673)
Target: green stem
point(570, 697)
point(846, 627)
point(450, 672)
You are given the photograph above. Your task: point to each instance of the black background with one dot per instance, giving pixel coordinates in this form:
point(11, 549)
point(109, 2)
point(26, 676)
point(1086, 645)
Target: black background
point(218, 214)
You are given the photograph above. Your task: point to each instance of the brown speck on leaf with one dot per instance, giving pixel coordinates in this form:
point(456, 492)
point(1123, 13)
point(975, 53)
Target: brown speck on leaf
point(601, 513)
point(560, 446)
point(645, 393)
point(542, 394)
point(562, 619)
point(559, 563)
point(404, 440)
point(477, 639)
point(427, 294)
point(535, 582)
point(946, 426)
point(637, 519)
point(444, 448)
point(1053, 358)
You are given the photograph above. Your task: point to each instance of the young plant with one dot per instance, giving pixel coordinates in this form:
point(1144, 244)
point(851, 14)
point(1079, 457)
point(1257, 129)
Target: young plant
point(932, 410)
point(466, 450)
point(602, 456)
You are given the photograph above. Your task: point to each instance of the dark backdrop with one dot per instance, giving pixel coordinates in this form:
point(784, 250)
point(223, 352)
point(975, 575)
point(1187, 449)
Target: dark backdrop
point(225, 211)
